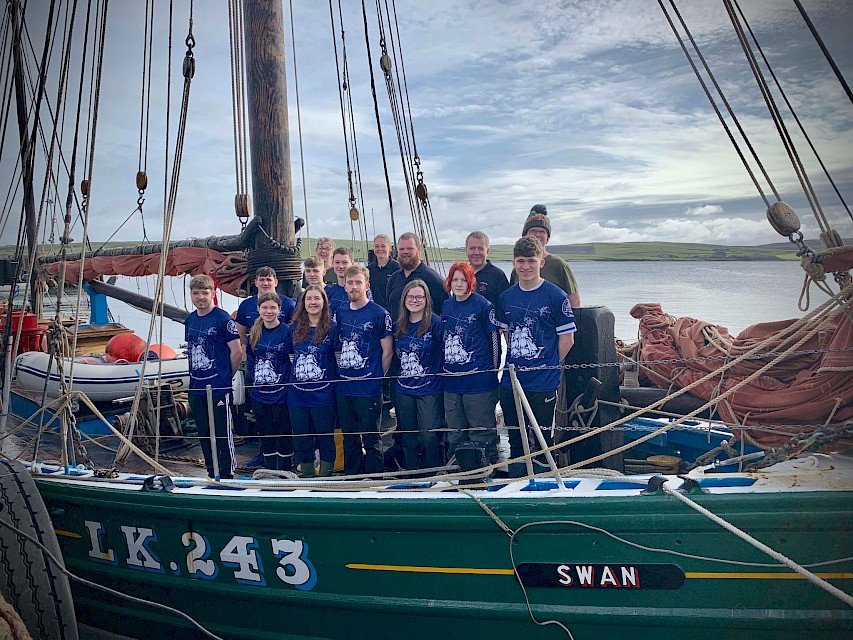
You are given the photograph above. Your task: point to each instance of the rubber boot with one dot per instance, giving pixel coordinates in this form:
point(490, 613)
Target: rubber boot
point(307, 469)
point(326, 469)
point(270, 461)
point(284, 463)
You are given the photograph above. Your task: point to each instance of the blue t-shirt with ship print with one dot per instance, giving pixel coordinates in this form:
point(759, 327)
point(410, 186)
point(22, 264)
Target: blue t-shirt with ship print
point(470, 344)
point(534, 320)
point(209, 355)
point(359, 335)
point(269, 362)
point(313, 369)
point(420, 360)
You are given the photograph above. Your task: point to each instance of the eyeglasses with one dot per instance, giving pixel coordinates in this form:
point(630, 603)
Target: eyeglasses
point(415, 298)
point(264, 279)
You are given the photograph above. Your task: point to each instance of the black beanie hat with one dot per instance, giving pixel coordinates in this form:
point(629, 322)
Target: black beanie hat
point(538, 217)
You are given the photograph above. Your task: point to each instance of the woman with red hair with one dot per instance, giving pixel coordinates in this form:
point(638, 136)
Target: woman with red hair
point(472, 357)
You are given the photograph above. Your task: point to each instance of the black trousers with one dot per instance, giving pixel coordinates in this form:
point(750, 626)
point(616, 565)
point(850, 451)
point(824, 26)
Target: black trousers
point(276, 434)
point(221, 428)
point(418, 417)
point(359, 420)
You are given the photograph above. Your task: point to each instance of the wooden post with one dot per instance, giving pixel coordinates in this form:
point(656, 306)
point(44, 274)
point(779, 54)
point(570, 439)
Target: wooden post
point(268, 127)
point(594, 342)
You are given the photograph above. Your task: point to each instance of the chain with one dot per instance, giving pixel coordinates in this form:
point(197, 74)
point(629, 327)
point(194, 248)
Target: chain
point(806, 443)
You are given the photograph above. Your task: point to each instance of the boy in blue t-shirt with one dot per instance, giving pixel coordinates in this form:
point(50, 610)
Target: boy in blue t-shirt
point(366, 345)
point(213, 349)
point(539, 329)
point(342, 259)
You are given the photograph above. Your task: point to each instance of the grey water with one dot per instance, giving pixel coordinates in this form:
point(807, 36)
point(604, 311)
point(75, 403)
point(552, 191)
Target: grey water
point(732, 294)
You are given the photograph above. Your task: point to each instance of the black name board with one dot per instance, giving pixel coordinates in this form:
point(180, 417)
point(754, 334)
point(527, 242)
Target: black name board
point(600, 576)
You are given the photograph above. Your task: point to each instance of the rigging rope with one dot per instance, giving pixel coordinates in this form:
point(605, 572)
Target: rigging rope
point(823, 48)
point(299, 123)
point(714, 105)
point(775, 114)
point(794, 114)
point(168, 219)
point(242, 204)
point(416, 189)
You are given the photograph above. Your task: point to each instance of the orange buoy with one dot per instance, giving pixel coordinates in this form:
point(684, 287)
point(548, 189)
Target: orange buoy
point(158, 352)
point(124, 346)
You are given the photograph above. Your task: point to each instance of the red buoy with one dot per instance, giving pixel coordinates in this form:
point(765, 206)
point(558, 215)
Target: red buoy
point(158, 352)
point(124, 346)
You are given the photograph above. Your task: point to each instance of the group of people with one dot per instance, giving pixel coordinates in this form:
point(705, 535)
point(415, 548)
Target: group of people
point(321, 361)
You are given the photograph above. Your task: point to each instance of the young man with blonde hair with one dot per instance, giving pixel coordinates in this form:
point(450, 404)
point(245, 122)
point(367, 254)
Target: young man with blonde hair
point(213, 349)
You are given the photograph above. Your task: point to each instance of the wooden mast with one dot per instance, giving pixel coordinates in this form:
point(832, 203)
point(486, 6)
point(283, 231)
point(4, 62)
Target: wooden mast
point(269, 135)
point(26, 154)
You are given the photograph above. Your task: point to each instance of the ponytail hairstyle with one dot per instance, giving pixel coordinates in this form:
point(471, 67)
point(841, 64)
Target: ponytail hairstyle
point(302, 323)
point(403, 324)
point(258, 327)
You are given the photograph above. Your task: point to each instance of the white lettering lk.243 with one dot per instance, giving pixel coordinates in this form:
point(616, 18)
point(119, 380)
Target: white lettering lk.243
point(239, 553)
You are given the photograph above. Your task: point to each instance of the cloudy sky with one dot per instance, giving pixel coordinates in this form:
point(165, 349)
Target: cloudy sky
point(588, 107)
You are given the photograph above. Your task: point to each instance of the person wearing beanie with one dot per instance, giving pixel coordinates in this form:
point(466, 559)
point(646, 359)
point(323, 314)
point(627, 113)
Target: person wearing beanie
point(555, 270)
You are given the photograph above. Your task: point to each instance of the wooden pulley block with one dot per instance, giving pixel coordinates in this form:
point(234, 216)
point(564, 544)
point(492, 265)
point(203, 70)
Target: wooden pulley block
point(421, 191)
point(84, 187)
point(141, 180)
point(242, 205)
point(354, 214)
point(783, 218)
point(385, 63)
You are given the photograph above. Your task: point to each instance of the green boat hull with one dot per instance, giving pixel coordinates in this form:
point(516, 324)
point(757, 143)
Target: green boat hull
point(249, 567)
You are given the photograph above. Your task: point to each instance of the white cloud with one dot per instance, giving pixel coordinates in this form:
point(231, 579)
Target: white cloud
point(588, 107)
point(704, 210)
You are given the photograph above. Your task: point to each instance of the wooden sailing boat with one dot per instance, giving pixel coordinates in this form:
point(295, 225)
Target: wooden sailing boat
point(596, 553)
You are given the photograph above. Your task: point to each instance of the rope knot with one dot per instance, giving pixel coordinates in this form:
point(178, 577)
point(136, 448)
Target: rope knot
point(813, 268)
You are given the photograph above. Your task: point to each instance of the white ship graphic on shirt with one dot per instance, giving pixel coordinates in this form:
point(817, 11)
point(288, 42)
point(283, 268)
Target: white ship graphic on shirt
point(307, 368)
point(410, 365)
point(265, 372)
point(199, 359)
point(350, 357)
point(522, 345)
point(454, 352)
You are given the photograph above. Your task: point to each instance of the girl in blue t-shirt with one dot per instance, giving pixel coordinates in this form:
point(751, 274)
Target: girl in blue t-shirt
point(419, 401)
point(311, 399)
point(472, 352)
point(267, 359)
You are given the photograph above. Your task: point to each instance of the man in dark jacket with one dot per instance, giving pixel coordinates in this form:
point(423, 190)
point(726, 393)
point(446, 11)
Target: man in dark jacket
point(491, 281)
point(411, 267)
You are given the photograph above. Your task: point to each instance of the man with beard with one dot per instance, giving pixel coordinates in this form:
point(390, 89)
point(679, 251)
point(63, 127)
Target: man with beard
point(411, 268)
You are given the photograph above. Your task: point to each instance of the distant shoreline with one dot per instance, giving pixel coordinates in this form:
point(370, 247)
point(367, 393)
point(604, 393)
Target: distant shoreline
point(595, 251)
